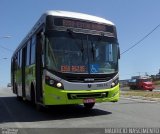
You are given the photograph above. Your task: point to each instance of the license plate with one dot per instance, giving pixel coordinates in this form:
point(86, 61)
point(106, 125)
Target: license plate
point(91, 100)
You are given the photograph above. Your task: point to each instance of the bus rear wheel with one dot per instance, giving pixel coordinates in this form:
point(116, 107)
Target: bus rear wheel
point(19, 98)
point(89, 105)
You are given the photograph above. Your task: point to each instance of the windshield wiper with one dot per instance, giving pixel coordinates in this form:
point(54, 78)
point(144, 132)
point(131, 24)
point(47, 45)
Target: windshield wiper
point(72, 35)
point(93, 50)
point(82, 49)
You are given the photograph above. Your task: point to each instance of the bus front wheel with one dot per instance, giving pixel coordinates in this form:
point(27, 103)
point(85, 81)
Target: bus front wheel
point(89, 105)
point(33, 101)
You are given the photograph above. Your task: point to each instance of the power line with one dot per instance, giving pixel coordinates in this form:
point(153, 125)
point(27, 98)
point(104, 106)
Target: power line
point(6, 48)
point(140, 40)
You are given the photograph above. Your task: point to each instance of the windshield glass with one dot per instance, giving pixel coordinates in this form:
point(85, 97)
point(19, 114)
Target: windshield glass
point(79, 53)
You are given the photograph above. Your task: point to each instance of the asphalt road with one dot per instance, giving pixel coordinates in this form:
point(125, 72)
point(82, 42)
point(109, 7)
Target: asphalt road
point(127, 113)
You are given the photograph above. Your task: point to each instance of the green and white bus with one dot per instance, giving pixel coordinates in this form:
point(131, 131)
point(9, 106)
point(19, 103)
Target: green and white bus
point(67, 58)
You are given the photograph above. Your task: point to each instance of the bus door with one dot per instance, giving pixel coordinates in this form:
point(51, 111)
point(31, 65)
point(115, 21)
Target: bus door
point(23, 71)
point(39, 68)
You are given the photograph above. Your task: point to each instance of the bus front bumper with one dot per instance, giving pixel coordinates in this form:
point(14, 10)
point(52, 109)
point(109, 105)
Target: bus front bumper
point(54, 96)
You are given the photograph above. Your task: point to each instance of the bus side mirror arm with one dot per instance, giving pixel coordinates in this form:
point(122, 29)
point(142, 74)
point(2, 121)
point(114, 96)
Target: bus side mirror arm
point(119, 55)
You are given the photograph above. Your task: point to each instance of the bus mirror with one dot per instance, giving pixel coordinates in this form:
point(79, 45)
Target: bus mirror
point(42, 35)
point(42, 38)
point(119, 55)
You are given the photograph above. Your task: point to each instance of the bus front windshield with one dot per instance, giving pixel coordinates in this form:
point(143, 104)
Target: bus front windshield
point(81, 53)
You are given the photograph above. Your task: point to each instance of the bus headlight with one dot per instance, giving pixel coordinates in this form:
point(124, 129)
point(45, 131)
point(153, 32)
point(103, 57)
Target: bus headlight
point(59, 85)
point(114, 83)
point(54, 83)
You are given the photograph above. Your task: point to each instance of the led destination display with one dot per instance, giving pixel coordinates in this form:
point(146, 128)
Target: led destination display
point(83, 25)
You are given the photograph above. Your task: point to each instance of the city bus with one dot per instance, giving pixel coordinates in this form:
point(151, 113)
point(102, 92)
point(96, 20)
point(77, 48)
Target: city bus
point(67, 58)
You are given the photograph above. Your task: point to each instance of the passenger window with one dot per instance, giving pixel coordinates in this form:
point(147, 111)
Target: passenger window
point(33, 44)
point(28, 54)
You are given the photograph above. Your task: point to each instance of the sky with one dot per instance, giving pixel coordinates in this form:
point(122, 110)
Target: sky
point(133, 19)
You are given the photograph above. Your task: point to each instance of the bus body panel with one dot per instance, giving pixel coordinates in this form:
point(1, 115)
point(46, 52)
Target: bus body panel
point(54, 96)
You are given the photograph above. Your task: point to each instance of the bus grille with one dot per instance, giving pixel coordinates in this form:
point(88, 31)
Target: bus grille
point(83, 79)
point(87, 95)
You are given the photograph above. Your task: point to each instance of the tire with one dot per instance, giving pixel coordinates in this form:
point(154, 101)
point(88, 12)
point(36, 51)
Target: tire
point(40, 108)
point(19, 98)
point(89, 105)
point(15, 88)
point(33, 101)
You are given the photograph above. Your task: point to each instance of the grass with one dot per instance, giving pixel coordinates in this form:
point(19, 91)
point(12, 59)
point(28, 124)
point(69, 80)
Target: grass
point(141, 93)
point(157, 83)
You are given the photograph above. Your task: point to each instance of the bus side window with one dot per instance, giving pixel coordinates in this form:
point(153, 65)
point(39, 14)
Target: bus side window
point(33, 44)
point(28, 54)
point(16, 62)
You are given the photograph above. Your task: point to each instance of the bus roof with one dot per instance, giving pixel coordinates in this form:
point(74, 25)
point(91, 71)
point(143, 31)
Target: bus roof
point(66, 14)
point(76, 15)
